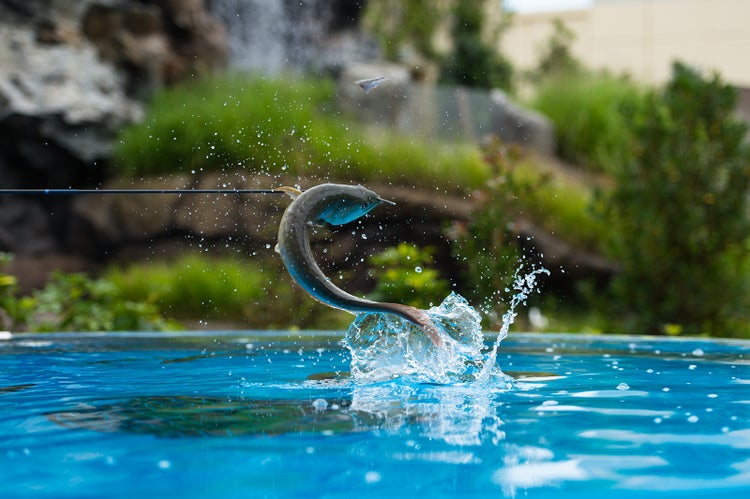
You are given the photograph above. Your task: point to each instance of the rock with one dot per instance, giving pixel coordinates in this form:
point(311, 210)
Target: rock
point(106, 221)
point(24, 227)
point(210, 215)
point(34, 271)
point(110, 223)
point(71, 72)
point(440, 111)
point(156, 43)
point(517, 125)
point(59, 97)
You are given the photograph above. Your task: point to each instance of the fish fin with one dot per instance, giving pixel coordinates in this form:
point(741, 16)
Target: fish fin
point(292, 191)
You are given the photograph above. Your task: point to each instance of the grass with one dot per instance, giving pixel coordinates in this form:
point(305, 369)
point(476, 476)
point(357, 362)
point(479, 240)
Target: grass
point(288, 126)
point(284, 126)
point(590, 114)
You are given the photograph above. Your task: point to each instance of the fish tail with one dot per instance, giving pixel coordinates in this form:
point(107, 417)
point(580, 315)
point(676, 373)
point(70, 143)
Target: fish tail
point(420, 318)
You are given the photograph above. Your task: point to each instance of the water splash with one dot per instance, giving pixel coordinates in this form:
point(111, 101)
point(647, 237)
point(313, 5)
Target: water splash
point(523, 284)
point(385, 346)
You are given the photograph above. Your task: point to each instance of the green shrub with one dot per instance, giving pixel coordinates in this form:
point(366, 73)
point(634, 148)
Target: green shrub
point(251, 293)
point(486, 247)
point(556, 60)
point(219, 123)
point(400, 25)
point(560, 205)
point(282, 127)
point(75, 302)
point(589, 113)
point(14, 310)
point(475, 60)
point(404, 275)
point(679, 212)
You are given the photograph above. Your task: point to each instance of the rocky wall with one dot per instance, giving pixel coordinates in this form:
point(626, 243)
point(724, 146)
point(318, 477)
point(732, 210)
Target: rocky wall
point(72, 74)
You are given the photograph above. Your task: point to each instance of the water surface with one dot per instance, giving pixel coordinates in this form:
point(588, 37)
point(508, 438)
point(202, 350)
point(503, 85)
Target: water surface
point(268, 414)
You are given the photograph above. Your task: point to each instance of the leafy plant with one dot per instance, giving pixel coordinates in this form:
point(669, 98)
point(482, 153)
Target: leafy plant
point(556, 60)
point(474, 61)
point(404, 275)
point(590, 112)
point(486, 245)
point(75, 302)
point(400, 24)
point(558, 203)
point(14, 309)
point(679, 211)
point(243, 291)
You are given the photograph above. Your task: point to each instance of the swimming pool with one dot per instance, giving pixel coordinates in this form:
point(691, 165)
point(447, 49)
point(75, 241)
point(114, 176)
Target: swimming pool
point(269, 414)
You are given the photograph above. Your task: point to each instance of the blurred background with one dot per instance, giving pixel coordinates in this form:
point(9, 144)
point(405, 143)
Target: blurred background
point(605, 140)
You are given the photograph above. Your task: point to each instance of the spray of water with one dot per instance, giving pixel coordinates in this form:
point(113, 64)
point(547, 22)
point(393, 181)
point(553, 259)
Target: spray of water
point(385, 346)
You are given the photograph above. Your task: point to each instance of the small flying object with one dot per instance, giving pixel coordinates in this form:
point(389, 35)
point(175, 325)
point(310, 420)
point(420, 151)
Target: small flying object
point(369, 84)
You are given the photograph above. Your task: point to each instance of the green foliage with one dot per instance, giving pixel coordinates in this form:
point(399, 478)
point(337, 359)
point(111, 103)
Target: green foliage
point(679, 212)
point(474, 61)
point(14, 310)
point(281, 127)
point(560, 204)
point(557, 60)
point(247, 292)
point(486, 246)
point(404, 26)
point(74, 302)
point(404, 275)
point(404, 23)
point(217, 123)
point(590, 117)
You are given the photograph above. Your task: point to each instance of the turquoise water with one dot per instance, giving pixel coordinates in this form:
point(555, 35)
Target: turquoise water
point(264, 414)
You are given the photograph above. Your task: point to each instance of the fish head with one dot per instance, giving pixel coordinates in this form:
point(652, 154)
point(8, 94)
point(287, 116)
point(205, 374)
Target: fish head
point(349, 204)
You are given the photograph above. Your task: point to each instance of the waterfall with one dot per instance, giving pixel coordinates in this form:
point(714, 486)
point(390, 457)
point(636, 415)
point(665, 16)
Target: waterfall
point(273, 35)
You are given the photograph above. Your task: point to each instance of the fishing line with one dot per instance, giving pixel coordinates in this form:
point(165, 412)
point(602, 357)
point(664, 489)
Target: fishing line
point(51, 192)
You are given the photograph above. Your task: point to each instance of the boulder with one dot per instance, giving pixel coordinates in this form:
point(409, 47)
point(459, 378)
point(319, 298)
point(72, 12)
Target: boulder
point(443, 112)
point(73, 73)
point(59, 107)
point(155, 43)
point(24, 227)
point(517, 125)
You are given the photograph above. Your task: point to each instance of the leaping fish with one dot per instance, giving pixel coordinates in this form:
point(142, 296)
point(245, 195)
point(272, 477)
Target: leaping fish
point(334, 204)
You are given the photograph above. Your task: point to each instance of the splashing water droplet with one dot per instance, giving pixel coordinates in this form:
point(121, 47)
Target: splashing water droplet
point(320, 405)
point(385, 346)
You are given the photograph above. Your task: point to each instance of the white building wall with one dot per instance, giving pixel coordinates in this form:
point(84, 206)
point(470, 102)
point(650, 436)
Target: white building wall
point(643, 37)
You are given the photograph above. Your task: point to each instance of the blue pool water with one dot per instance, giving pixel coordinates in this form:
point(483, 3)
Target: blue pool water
point(264, 414)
